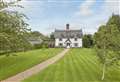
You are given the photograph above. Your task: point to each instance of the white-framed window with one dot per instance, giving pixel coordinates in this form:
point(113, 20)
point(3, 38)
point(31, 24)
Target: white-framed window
point(61, 44)
point(76, 39)
point(60, 39)
point(76, 44)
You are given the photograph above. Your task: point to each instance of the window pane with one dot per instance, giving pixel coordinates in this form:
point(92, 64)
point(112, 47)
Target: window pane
point(76, 44)
point(75, 39)
point(60, 39)
point(60, 44)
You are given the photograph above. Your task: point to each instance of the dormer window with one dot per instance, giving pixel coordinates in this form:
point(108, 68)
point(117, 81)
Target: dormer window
point(75, 39)
point(60, 39)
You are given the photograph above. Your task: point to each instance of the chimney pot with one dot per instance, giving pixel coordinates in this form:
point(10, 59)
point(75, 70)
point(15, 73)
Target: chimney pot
point(67, 26)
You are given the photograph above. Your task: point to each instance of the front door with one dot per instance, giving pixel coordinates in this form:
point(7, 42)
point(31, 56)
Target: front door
point(68, 45)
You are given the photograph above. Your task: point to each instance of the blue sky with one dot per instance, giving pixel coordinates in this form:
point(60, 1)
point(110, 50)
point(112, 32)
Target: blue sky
point(47, 15)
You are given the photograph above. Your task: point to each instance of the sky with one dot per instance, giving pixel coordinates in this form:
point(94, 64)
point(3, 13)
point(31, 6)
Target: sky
point(47, 15)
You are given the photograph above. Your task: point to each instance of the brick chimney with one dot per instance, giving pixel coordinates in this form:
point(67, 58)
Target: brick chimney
point(67, 26)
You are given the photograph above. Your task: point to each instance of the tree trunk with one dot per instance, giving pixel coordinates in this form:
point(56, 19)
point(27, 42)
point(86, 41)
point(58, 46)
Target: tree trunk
point(103, 72)
point(104, 65)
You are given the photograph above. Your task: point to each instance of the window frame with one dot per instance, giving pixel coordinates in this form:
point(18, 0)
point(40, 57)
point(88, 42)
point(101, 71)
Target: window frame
point(76, 39)
point(60, 44)
point(60, 39)
point(76, 44)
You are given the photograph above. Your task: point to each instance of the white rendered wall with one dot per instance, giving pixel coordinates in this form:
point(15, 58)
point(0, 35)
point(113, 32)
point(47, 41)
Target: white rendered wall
point(79, 42)
point(57, 42)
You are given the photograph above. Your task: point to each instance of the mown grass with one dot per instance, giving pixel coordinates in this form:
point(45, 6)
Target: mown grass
point(79, 65)
point(12, 65)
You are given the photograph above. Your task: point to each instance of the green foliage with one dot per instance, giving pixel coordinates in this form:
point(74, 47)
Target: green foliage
point(4, 4)
point(114, 20)
point(13, 32)
point(52, 36)
point(45, 45)
point(87, 41)
point(107, 41)
point(39, 46)
point(38, 34)
point(108, 38)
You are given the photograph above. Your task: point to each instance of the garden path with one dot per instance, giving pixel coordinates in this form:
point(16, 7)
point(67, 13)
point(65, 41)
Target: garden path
point(34, 70)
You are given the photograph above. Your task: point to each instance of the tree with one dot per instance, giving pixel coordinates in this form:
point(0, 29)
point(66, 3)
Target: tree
point(38, 34)
point(13, 31)
point(115, 19)
point(4, 4)
point(107, 42)
point(87, 41)
point(101, 44)
point(52, 36)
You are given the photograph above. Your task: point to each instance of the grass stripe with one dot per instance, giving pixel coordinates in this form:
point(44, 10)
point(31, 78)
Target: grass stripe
point(79, 65)
point(12, 65)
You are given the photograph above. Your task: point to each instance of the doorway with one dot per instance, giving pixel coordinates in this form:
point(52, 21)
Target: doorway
point(68, 45)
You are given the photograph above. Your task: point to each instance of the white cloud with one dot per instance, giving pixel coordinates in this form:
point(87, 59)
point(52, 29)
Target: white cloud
point(30, 4)
point(85, 8)
point(91, 19)
point(112, 6)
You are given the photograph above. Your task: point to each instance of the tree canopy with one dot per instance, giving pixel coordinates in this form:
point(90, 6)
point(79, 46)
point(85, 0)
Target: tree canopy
point(13, 30)
point(87, 40)
point(107, 42)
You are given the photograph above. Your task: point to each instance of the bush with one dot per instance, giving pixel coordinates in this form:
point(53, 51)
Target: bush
point(38, 46)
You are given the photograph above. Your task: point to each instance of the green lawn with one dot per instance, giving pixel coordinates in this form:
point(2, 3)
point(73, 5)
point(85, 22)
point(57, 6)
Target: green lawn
point(79, 65)
point(12, 65)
